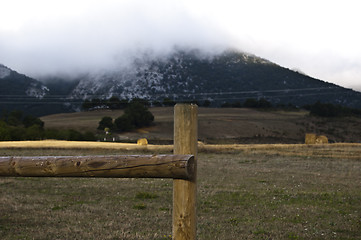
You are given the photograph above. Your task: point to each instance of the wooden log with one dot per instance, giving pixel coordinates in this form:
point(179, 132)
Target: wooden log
point(185, 191)
point(131, 166)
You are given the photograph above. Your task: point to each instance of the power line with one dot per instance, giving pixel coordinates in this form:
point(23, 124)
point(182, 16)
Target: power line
point(191, 93)
point(57, 99)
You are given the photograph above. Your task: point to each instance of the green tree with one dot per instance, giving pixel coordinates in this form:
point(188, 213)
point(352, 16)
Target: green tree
point(329, 110)
point(114, 103)
point(86, 105)
point(106, 122)
point(145, 102)
point(29, 121)
point(136, 115)
point(89, 136)
point(206, 103)
point(263, 103)
point(73, 135)
point(17, 133)
point(250, 103)
point(168, 102)
point(4, 131)
point(139, 114)
point(237, 104)
point(53, 134)
point(34, 132)
point(124, 123)
point(254, 103)
point(15, 118)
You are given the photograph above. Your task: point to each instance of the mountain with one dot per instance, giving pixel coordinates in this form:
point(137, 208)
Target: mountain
point(13, 84)
point(228, 77)
point(20, 92)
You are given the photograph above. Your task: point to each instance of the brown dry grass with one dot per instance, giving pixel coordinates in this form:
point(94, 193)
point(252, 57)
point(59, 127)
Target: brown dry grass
point(224, 125)
point(336, 150)
point(244, 192)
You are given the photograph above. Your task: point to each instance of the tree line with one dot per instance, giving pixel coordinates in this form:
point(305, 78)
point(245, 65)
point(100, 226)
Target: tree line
point(249, 103)
point(331, 110)
point(317, 109)
point(114, 103)
point(136, 115)
point(15, 126)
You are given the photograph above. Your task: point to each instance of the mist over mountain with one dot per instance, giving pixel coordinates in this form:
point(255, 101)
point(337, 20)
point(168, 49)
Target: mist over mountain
point(184, 75)
point(230, 76)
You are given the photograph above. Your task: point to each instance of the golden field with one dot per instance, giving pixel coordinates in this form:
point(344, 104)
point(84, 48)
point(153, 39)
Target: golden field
point(335, 150)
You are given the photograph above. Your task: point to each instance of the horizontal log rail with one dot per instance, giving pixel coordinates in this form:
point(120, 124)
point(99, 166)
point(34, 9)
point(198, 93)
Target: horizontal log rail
point(123, 166)
point(182, 167)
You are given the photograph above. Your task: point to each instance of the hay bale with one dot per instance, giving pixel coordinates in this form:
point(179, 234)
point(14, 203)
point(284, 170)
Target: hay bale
point(321, 139)
point(310, 138)
point(142, 141)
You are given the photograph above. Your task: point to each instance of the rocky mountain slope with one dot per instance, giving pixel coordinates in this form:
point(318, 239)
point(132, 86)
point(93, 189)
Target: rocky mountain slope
point(18, 91)
point(14, 84)
point(228, 77)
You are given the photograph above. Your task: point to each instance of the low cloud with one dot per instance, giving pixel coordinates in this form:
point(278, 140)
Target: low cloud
point(107, 36)
point(42, 37)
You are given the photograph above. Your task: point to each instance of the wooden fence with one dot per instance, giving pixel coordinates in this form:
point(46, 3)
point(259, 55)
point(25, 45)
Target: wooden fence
point(182, 167)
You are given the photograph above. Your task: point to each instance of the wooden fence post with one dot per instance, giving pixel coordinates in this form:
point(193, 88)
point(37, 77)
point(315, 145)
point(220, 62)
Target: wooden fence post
point(185, 191)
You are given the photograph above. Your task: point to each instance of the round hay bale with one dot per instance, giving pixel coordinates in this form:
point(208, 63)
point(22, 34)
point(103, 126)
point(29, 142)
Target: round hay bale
point(310, 138)
point(142, 141)
point(321, 139)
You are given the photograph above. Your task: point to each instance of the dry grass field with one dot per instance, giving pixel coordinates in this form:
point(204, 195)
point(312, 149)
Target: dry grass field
point(224, 125)
point(265, 191)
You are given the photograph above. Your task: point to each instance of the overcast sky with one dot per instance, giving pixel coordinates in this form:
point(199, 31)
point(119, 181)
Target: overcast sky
point(318, 37)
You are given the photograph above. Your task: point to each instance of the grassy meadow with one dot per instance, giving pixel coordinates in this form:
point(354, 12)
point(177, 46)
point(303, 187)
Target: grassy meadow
point(244, 192)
